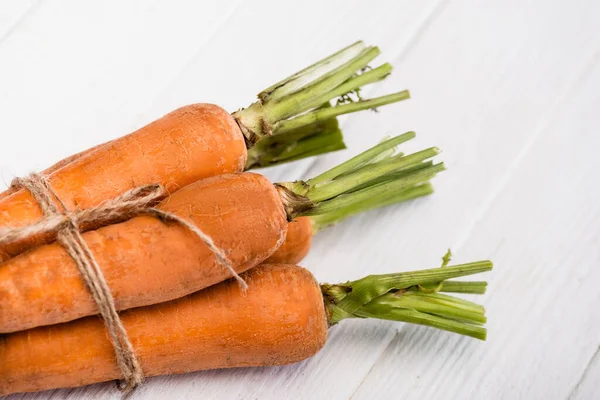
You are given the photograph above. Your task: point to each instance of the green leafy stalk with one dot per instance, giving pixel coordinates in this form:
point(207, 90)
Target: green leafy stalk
point(318, 89)
point(376, 178)
point(463, 287)
point(296, 101)
point(353, 84)
point(363, 158)
point(317, 115)
point(348, 182)
point(300, 79)
point(306, 141)
point(321, 219)
point(404, 297)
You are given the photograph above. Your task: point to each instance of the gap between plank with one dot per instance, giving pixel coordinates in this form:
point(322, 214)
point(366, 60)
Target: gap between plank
point(26, 14)
point(587, 369)
point(437, 10)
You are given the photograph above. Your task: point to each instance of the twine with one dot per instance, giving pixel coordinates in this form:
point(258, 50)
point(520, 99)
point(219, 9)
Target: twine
point(65, 225)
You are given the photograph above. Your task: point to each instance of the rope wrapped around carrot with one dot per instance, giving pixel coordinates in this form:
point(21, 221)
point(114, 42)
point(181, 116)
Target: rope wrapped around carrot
point(65, 225)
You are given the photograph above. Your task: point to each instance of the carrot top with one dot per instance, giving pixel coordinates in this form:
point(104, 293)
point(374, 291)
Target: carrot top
point(306, 141)
point(287, 108)
point(413, 297)
point(375, 178)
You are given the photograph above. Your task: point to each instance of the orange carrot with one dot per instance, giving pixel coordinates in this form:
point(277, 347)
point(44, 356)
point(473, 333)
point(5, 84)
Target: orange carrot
point(282, 318)
point(244, 213)
point(146, 261)
point(203, 140)
point(296, 244)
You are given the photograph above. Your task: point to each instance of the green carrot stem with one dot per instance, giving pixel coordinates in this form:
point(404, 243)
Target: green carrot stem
point(391, 191)
point(377, 193)
point(376, 285)
point(419, 190)
point(400, 297)
point(364, 182)
point(349, 86)
point(336, 187)
point(437, 304)
point(311, 117)
point(474, 287)
point(310, 140)
point(362, 200)
point(299, 79)
point(324, 142)
point(404, 172)
point(361, 159)
point(318, 89)
point(412, 316)
point(296, 101)
point(325, 219)
point(353, 84)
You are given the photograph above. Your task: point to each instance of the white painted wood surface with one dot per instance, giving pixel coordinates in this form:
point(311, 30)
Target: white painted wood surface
point(510, 90)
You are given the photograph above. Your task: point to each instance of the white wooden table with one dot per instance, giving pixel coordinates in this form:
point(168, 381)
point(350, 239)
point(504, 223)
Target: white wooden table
point(510, 90)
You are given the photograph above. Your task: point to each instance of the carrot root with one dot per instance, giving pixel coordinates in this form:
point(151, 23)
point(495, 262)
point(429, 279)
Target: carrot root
point(279, 320)
point(297, 243)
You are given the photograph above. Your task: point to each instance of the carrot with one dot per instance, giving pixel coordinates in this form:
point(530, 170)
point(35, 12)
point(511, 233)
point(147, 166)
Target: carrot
point(296, 244)
point(202, 140)
point(282, 318)
point(146, 261)
point(244, 213)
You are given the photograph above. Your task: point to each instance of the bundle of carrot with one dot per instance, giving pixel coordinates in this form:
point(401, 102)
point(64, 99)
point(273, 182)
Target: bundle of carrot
point(291, 119)
point(244, 214)
point(179, 308)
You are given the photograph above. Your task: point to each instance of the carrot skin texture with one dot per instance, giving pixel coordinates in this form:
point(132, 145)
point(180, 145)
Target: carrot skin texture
point(279, 320)
point(297, 243)
point(191, 143)
point(146, 261)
